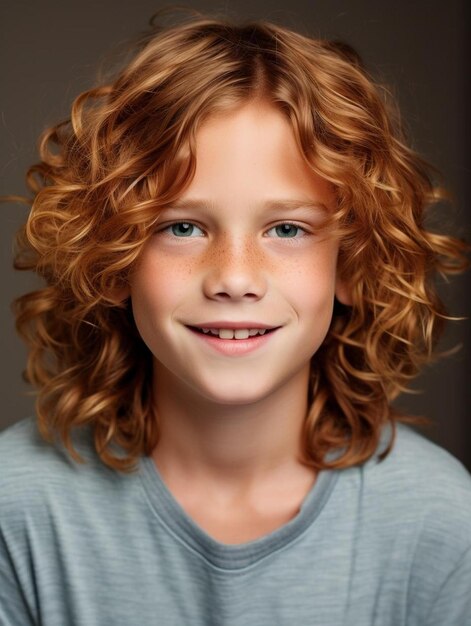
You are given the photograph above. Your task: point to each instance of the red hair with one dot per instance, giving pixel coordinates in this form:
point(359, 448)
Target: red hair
point(129, 149)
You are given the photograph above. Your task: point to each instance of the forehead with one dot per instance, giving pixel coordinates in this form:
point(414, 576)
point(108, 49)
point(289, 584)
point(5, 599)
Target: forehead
point(250, 154)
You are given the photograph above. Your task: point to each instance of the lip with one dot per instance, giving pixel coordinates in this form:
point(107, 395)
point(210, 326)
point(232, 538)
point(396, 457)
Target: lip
point(234, 347)
point(233, 325)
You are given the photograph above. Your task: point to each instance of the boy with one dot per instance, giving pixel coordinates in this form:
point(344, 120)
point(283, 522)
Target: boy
point(237, 286)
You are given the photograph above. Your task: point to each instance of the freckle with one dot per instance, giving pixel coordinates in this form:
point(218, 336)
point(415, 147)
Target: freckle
point(189, 268)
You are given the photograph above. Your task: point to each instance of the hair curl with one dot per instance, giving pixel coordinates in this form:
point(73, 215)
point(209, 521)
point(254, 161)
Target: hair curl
point(129, 149)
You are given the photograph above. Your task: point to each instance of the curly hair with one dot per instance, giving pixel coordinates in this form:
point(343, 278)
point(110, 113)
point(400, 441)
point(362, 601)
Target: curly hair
point(128, 150)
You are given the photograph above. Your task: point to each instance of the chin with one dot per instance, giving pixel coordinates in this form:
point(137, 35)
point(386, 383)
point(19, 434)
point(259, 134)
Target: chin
point(235, 394)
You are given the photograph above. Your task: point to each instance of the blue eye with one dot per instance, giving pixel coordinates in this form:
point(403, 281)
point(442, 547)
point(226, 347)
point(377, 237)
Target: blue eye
point(286, 229)
point(184, 229)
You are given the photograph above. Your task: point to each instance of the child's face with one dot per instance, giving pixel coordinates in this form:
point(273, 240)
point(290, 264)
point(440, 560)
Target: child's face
point(236, 262)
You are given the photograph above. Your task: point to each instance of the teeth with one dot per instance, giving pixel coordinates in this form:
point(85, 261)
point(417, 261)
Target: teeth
point(226, 333)
point(239, 333)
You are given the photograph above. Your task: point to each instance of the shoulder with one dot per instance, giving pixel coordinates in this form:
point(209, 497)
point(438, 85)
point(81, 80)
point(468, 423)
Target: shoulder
point(415, 462)
point(24, 452)
point(431, 490)
point(34, 472)
point(422, 487)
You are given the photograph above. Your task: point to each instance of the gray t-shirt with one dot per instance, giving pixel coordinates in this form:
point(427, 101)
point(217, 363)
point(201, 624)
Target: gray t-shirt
point(384, 544)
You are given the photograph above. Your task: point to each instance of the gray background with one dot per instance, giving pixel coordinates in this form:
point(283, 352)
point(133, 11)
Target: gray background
point(50, 52)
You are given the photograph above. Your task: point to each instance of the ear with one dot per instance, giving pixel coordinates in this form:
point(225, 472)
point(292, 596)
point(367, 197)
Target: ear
point(342, 291)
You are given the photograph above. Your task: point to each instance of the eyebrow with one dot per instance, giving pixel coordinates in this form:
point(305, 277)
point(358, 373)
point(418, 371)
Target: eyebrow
point(272, 204)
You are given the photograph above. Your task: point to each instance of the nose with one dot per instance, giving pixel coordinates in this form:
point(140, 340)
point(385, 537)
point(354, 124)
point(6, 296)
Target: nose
point(235, 269)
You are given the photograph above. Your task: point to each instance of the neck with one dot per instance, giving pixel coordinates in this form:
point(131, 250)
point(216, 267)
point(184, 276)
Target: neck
point(231, 447)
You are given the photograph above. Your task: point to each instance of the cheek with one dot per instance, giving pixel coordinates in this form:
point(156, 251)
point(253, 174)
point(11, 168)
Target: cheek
point(317, 306)
point(157, 283)
point(313, 288)
point(154, 289)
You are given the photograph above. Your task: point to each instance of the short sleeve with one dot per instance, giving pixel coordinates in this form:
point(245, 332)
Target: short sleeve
point(452, 605)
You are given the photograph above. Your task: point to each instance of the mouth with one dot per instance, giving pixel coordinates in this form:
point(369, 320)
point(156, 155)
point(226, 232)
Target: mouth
point(231, 345)
point(256, 333)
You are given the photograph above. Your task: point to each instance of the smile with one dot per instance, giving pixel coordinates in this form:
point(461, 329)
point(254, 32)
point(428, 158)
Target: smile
point(236, 333)
point(234, 342)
